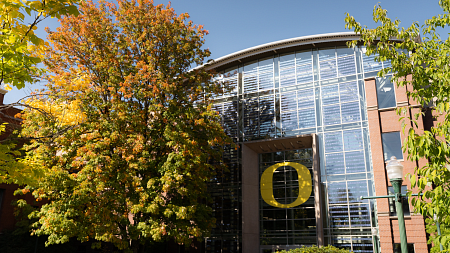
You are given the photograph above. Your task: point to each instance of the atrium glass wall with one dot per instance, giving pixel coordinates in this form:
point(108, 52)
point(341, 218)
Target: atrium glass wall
point(315, 91)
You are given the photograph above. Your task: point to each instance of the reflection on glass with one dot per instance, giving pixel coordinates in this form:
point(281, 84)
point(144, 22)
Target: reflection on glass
point(330, 94)
point(344, 51)
point(353, 139)
point(331, 115)
point(354, 162)
point(337, 193)
point(339, 217)
point(326, 54)
point(334, 163)
point(392, 145)
point(385, 92)
point(287, 61)
point(346, 66)
point(320, 91)
point(356, 189)
point(328, 69)
point(359, 216)
point(303, 58)
point(405, 204)
point(333, 142)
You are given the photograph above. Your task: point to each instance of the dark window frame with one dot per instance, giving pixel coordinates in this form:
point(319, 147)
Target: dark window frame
point(385, 92)
point(405, 203)
point(392, 145)
point(410, 248)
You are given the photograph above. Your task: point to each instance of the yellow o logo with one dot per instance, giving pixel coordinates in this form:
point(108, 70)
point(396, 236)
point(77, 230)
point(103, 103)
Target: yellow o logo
point(304, 184)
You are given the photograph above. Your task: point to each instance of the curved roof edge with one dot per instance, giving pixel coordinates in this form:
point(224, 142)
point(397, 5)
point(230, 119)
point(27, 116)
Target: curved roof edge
point(281, 44)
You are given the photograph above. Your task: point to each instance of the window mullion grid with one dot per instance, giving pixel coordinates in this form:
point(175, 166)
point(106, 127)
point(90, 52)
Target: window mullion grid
point(349, 217)
point(314, 93)
point(279, 111)
point(258, 116)
point(336, 62)
point(328, 207)
point(322, 114)
point(257, 79)
point(315, 107)
point(259, 101)
point(363, 72)
point(274, 99)
point(395, 93)
point(285, 197)
point(318, 68)
point(340, 102)
point(296, 109)
point(344, 152)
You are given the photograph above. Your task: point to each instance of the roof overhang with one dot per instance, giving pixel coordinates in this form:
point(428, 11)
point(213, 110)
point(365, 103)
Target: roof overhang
point(277, 47)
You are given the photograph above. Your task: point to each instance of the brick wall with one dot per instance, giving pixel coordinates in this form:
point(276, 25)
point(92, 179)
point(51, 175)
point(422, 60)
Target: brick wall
point(385, 121)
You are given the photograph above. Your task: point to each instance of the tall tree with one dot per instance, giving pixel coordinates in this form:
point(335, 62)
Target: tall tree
point(131, 164)
point(19, 47)
point(428, 65)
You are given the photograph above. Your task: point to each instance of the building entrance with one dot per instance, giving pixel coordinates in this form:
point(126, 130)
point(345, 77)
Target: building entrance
point(287, 217)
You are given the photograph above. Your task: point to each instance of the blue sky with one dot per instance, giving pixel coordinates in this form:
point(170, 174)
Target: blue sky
point(236, 25)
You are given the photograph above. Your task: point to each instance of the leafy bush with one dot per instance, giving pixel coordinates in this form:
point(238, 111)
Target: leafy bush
point(315, 249)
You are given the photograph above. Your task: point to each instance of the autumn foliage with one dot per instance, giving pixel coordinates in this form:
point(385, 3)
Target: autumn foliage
point(127, 135)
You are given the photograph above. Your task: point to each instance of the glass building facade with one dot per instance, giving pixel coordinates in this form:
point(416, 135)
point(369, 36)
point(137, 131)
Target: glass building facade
point(316, 90)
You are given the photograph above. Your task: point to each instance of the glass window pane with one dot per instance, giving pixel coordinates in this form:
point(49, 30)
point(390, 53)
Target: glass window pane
point(288, 101)
point(287, 61)
point(331, 115)
point(304, 73)
point(369, 63)
point(339, 217)
point(344, 51)
point(348, 91)
point(251, 117)
point(265, 65)
point(303, 57)
point(342, 242)
point(353, 139)
point(287, 77)
point(363, 244)
point(328, 69)
point(354, 162)
point(385, 93)
point(356, 189)
point(250, 67)
point(392, 145)
point(230, 119)
point(330, 95)
point(306, 118)
point(326, 54)
point(333, 142)
point(289, 121)
point(266, 81)
point(346, 66)
point(337, 193)
point(360, 215)
point(335, 163)
point(350, 112)
point(305, 98)
point(250, 83)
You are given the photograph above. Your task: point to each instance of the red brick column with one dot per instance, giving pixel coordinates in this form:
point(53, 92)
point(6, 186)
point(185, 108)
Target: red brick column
point(384, 121)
